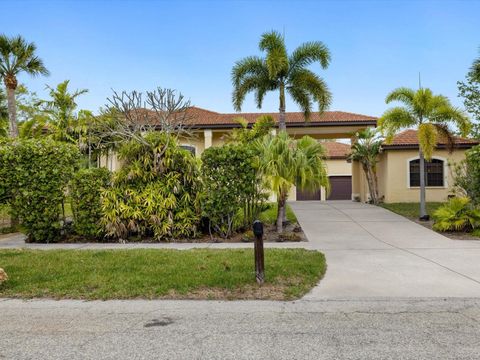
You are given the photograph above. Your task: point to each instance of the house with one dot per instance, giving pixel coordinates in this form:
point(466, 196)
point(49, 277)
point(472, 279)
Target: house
point(398, 169)
point(210, 128)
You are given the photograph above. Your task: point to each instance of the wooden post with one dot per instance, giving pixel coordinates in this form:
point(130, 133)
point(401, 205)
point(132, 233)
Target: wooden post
point(259, 257)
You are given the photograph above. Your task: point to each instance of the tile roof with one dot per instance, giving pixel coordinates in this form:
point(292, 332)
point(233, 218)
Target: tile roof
point(205, 118)
point(409, 138)
point(336, 150)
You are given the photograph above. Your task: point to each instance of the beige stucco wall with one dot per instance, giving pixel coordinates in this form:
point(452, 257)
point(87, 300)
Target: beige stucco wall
point(393, 176)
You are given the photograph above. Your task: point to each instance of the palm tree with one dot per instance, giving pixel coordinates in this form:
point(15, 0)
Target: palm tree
point(16, 56)
point(285, 162)
point(61, 110)
point(432, 115)
point(366, 150)
point(283, 72)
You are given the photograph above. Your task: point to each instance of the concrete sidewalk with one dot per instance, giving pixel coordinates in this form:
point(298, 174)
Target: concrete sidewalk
point(372, 252)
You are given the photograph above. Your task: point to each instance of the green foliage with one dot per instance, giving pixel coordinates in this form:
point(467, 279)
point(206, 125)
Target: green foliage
point(469, 90)
point(457, 215)
point(35, 175)
point(85, 193)
point(243, 135)
point(230, 183)
point(467, 175)
point(156, 192)
point(3, 114)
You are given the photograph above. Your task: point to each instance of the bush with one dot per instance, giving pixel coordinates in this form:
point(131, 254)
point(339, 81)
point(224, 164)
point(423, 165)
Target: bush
point(155, 193)
point(36, 174)
point(85, 193)
point(467, 175)
point(457, 215)
point(231, 186)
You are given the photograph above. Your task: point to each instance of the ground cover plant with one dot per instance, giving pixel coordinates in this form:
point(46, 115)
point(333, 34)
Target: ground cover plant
point(159, 274)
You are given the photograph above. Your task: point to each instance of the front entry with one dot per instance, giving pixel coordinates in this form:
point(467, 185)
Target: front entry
point(340, 188)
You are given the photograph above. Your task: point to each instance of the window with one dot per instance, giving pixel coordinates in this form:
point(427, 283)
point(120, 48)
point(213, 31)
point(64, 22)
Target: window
point(433, 173)
point(189, 148)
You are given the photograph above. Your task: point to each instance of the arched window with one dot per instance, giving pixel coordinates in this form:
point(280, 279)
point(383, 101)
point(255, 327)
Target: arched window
point(434, 175)
point(189, 148)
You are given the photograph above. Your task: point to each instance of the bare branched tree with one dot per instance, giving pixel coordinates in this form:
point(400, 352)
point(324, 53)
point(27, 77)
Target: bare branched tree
point(130, 115)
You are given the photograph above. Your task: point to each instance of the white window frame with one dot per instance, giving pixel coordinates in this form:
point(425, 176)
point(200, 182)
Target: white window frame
point(445, 173)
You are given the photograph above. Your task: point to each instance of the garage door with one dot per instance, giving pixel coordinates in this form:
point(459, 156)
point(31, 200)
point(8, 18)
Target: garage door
point(340, 188)
point(303, 195)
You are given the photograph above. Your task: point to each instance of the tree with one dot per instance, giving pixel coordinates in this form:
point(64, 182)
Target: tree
point(285, 162)
point(283, 72)
point(366, 150)
point(470, 92)
point(61, 112)
point(16, 56)
point(432, 115)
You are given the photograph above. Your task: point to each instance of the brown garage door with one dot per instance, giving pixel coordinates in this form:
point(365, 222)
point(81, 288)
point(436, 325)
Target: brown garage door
point(340, 188)
point(303, 195)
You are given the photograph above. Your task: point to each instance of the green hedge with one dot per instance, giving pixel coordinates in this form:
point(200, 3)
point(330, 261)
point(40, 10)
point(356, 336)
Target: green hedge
point(36, 174)
point(85, 193)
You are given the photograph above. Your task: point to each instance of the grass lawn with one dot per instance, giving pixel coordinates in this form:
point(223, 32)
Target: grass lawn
point(411, 210)
point(269, 216)
point(159, 274)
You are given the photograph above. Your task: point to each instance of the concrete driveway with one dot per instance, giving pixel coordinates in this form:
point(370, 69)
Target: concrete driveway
point(372, 252)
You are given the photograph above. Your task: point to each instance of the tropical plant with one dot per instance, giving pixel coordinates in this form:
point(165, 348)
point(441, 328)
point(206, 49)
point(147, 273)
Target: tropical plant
point(469, 90)
point(3, 114)
point(285, 162)
point(457, 215)
point(466, 175)
point(65, 123)
point(17, 56)
point(34, 175)
point(85, 193)
point(231, 186)
point(366, 150)
point(156, 192)
point(432, 115)
point(281, 72)
point(245, 135)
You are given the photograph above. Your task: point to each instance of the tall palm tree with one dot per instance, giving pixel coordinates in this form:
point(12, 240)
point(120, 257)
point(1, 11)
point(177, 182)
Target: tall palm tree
point(366, 150)
point(283, 72)
point(432, 115)
point(285, 162)
point(16, 56)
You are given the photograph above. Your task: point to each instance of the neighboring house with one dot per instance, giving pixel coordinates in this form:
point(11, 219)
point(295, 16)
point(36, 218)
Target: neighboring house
point(398, 169)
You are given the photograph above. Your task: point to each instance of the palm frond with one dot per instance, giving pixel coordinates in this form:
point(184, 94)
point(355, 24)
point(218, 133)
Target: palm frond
point(395, 119)
point(402, 94)
point(308, 53)
point(427, 138)
point(313, 85)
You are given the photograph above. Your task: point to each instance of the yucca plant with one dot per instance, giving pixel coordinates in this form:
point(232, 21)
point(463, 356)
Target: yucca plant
point(457, 215)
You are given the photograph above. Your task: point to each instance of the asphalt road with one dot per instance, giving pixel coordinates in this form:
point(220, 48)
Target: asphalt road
point(330, 329)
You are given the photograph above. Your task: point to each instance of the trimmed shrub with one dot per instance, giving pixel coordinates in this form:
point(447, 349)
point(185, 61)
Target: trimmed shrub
point(457, 215)
point(230, 183)
point(85, 193)
point(156, 192)
point(37, 173)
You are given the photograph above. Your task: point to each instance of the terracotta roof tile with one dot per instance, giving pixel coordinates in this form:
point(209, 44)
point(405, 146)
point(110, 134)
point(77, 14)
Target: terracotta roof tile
point(408, 138)
point(204, 118)
point(336, 150)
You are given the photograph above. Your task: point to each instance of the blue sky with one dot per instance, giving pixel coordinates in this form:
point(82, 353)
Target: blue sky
point(192, 45)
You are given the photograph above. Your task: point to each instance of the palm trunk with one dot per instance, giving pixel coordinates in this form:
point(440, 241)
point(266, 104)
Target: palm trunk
point(423, 210)
point(282, 125)
point(12, 113)
point(280, 211)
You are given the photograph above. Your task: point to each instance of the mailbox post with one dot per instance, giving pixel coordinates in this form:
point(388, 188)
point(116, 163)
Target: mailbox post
point(259, 257)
